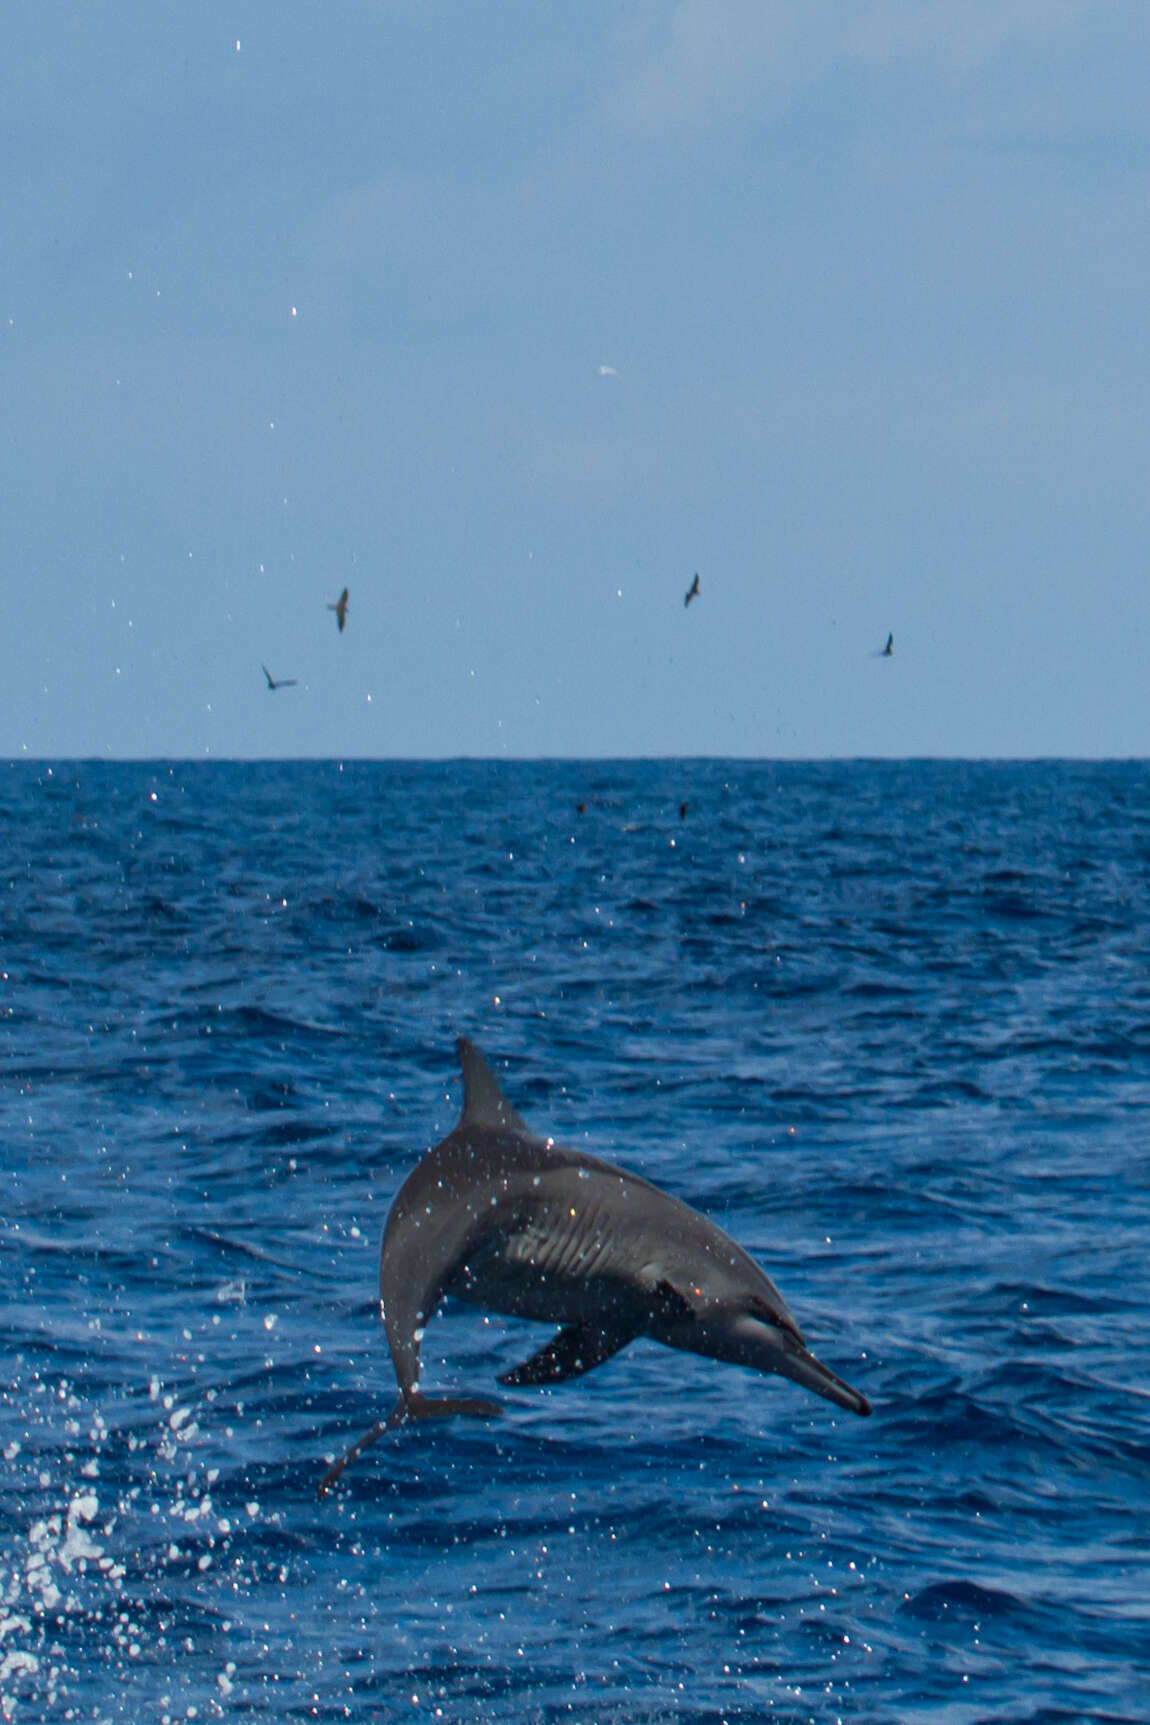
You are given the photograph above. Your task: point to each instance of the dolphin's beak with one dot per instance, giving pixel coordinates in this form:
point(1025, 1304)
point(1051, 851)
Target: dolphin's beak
point(767, 1347)
point(801, 1365)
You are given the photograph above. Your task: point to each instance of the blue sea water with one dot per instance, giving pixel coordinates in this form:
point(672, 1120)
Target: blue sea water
point(889, 1024)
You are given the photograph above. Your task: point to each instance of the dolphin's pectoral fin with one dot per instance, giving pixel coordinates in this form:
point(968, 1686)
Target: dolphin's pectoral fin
point(577, 1349)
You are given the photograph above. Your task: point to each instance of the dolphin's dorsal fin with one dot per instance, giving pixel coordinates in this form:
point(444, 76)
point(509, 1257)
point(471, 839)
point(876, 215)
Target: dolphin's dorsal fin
point(484, 1103)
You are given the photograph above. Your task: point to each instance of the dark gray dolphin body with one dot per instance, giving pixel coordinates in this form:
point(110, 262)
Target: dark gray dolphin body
point(505, 1219)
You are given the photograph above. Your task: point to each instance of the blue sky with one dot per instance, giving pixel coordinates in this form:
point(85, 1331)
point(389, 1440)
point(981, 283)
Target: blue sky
point(510, 318)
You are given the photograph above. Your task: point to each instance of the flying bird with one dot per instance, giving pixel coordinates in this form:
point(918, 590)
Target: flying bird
point(886, 652)
point(340, 608)
point(692, 591)
point(279, 682)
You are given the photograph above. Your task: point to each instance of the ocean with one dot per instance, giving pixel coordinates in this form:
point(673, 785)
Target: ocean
point(887, 1023)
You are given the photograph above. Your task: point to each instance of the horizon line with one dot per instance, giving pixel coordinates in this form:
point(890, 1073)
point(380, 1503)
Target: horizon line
point(208, 760)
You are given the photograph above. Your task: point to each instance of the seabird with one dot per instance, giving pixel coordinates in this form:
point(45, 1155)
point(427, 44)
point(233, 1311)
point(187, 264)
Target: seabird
point(340, 609)
point(692, 590)
point(279, 682)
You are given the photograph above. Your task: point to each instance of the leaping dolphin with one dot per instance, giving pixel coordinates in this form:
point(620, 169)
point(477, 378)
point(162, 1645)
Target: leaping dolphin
point(503, 1218)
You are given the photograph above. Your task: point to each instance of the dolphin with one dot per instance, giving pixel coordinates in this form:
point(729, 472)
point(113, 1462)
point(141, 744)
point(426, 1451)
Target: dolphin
point(506, 1219)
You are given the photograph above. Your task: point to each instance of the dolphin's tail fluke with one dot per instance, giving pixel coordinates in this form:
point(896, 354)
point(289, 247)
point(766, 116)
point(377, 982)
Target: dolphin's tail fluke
point(421, 1407)
point(414, 1406)
point(396, 1417)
